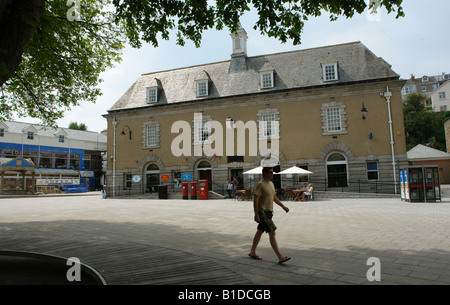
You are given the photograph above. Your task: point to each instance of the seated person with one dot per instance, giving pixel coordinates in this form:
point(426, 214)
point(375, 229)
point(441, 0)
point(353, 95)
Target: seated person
point(307, 192)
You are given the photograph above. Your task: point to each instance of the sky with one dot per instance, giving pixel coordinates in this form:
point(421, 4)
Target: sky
point(417, 44)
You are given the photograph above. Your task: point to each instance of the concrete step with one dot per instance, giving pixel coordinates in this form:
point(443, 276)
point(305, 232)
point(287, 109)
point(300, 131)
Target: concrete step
point(333, 195)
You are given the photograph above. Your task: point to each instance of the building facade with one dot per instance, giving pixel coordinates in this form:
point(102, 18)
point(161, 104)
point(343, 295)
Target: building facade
point(335, 111)
point(421, 155)
point(55, 152)
point(425, 86)
point(440, 98)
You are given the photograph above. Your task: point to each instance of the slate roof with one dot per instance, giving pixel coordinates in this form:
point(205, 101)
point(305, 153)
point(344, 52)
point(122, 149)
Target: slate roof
point(422, 152)
point(18, 127)
point(240, 75)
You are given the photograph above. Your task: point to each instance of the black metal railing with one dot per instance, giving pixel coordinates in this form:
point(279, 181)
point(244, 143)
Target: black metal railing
point(357, 186)
point(320, 184)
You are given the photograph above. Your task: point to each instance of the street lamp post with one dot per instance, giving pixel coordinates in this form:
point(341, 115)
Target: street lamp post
point(115, 122)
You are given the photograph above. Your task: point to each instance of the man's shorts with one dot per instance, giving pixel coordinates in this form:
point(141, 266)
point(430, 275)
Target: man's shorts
point(265, 222)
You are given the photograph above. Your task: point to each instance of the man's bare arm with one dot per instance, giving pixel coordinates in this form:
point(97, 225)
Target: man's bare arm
point(256, 207)
point(277, 201)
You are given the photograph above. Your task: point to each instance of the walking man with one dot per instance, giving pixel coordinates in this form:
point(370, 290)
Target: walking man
point(263, 208)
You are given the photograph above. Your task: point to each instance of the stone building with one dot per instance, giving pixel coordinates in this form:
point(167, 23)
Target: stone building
point(335, 111)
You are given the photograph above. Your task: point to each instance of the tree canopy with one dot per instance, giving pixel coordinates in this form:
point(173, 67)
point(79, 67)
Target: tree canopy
point(422, 125)
point(53, 51)
point(76, 126)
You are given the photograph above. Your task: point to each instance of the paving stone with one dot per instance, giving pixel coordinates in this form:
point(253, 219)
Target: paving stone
point(329, 241)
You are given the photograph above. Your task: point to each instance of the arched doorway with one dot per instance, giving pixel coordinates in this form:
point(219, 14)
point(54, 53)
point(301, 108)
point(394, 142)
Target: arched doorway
point(152, 178)
point(204, 172)
point(337, 170)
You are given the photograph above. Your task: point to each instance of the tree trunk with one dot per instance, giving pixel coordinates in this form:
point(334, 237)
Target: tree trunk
point(18, 20)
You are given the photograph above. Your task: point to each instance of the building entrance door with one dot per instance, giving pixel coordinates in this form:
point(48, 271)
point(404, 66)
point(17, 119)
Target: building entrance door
point(276, 180)
point(238, 174)
point(152, 178)
point(205, 173)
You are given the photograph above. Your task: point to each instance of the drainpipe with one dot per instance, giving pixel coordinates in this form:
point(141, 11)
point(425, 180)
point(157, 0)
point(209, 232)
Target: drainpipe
point(388, 96)
point(115, 122)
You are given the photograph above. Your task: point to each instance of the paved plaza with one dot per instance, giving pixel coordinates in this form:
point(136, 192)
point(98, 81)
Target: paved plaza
point(330, 241)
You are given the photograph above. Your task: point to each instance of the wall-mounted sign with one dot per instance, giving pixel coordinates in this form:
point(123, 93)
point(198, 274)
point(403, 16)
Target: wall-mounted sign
point(136, 178)
point(165, 177)
point(53, 181)
point(187, 177)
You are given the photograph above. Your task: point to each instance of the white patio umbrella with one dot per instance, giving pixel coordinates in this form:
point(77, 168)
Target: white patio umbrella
point(256, 170)
point(295, 170)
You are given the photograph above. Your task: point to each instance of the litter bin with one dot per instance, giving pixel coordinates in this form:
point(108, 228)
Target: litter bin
point(203, 189)
point(162, 192)
point(194, 190)
point(185, 190)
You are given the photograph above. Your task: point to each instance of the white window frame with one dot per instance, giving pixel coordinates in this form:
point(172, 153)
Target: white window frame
point(152, 95)
point(61, 139)
point(151, 134)
point(266, 79)
point(268, 124)
point(442, 95)
point(127, 181)
point(202, 130)
point(268, 128)
point(202, 88)
point(334, 118)
point(30, 135)
point(372, 171)
point(2, 133)
point(329, 75)
point(424, 79)
point(334, 123)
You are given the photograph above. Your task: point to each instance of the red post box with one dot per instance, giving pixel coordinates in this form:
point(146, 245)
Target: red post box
point(185, 190)
point(194, 190)
point(203, 189)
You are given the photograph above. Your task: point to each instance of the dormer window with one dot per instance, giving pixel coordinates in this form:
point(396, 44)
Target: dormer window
point(30, 135)
point(202, 88)
point(330, 72)
point(424, 79)
point(152, 95)
point(266, 79)
point(266, 73)
point(61, 134)
point(3, 129)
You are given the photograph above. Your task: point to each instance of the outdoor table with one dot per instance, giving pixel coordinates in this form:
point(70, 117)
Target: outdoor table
point(297, 194)
point(239, 194)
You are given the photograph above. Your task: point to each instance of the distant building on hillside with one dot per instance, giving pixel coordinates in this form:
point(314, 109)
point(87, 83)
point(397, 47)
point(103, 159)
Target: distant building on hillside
point(425, 85)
